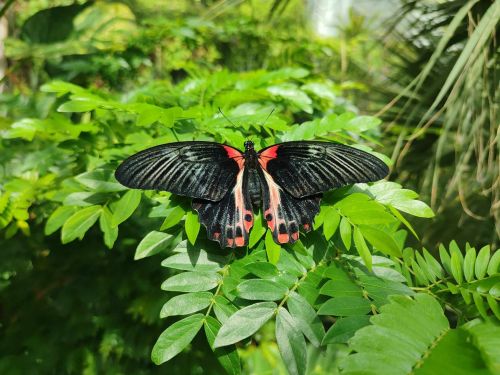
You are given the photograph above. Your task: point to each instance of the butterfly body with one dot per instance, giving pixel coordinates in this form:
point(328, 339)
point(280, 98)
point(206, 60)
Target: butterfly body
point(228, 185)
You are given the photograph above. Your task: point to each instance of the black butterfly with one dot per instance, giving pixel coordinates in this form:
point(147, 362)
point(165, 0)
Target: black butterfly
point(227, 184)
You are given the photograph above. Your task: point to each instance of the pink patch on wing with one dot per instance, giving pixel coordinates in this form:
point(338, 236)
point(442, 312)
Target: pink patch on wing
point(268, 154)
point(235, 154)
point(283, 238)
point(295, 236)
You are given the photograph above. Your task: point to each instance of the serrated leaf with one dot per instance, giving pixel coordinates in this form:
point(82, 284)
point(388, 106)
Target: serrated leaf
point(227, 356)
point(273, 250)
point(362, 248)
point(191, 282)
point(79, 223)
point(152, 244)
point(175, 338)
point(291, 343)
point(261, 290)
point(244, 323)
point(185, 304)
point(192, 226)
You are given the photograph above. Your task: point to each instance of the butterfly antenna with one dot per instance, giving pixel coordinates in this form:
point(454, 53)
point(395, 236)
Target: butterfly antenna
point(269, 115)
point(227, 118)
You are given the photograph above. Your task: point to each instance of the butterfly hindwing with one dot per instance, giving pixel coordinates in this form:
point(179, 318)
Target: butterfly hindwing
point(229, 220)
point(305, 168)
point(204, 170)
point(284, 213)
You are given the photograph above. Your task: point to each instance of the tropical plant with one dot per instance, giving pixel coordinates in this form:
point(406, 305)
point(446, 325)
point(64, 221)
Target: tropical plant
point(349, 297)
point(444, 94)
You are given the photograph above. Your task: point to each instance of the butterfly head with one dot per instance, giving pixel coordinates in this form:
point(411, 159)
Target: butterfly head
point(248, 145)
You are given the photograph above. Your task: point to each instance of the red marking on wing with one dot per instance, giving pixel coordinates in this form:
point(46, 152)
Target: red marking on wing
point(235, 154)
point(307, 227)
point(230, 242)
point(295, 236)
point(268, 154)
point(283, 238)
point(240, 241)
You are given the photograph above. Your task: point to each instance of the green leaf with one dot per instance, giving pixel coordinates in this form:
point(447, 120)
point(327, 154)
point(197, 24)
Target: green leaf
point(345, 328)
point(418, 336)
point(152, 244)
point(445, 258)
point(79, 223)
point(494, 265)
point(273, 250)
point(481, 265)
point(306, 318)
point(244, 323)
point(195, 260)
point(381, 241)
point(291, 343)
point(486, 337)
point(223, 308)
point(227, 356)
point(331, 222)
point(77, 106)
point(345, 306)
point(173, 218)
point(345, 232)
point(263, 270)
point(175, 338)
point(57, 219)
point(456, 267)
point(261, 290)
point(363, 250)
point(126, 206)
point(192, 282)
point(185, 304)
point(192, 226)
point(257, 232)
point(469, 262)
point(110, 231)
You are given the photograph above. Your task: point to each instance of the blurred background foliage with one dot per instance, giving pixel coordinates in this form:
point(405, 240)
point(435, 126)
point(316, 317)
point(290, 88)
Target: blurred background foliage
point(155, 72)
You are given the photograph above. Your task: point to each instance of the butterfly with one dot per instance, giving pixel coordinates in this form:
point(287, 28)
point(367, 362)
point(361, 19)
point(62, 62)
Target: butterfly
point(227, 185)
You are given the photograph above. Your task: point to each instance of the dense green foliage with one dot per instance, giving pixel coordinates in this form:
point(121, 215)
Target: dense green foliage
point(352, 296)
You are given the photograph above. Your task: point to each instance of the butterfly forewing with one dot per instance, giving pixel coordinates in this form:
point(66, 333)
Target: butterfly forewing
point(305, 168)
point(202, 170)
